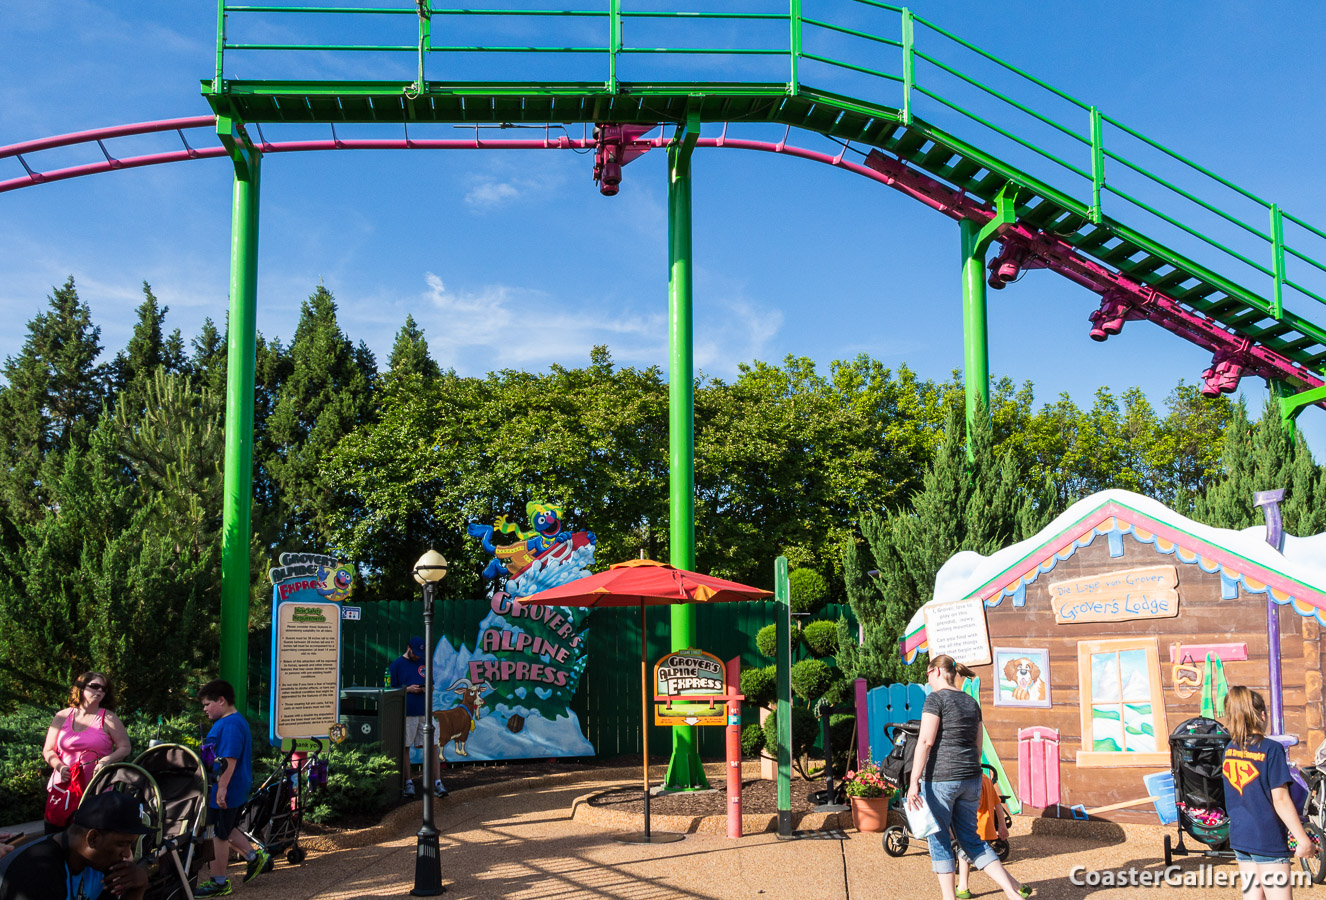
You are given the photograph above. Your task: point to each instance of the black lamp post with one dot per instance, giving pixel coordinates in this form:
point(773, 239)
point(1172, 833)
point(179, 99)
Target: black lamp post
point(428, 571)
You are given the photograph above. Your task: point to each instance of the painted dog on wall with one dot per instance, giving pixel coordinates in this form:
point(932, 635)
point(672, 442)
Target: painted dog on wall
point(1026, 678)
point(455, 724)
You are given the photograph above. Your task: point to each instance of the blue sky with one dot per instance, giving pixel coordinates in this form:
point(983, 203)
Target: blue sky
point(513, 259)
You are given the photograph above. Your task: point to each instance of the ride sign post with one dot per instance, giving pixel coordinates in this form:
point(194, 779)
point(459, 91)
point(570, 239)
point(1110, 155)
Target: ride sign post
point(307, 590)
point(692, 687)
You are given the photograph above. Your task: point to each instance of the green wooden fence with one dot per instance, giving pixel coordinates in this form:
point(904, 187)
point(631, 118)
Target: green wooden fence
point(608, 701)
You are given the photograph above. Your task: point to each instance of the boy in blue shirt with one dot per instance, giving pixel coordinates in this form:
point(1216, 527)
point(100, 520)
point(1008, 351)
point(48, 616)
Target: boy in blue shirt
point(407, 671)
point(231, 746)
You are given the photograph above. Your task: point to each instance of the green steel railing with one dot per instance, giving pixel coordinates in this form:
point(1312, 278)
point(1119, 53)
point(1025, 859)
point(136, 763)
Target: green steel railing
point(1067, 162)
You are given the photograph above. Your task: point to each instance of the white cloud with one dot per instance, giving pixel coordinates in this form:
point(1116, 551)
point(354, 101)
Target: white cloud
point(489, 194)
point(498, 326)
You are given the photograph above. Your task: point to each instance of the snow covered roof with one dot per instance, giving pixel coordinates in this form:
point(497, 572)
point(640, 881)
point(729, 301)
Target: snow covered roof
point(1296, 577)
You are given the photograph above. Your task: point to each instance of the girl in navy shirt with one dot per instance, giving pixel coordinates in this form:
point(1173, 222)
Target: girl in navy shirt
point(1261, 814)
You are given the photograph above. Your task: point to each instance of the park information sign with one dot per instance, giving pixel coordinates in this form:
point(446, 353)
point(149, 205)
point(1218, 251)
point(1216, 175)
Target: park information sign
point(307, 590)
point(690, 673)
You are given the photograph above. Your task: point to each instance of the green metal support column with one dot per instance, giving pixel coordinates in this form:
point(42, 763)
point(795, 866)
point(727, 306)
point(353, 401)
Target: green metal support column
point(684, 769)
point(975, 338)
point(241, 348)
point(783, 633)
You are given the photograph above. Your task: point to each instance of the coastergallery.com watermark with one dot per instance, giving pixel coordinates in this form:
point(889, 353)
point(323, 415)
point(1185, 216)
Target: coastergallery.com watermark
point(1203, 876)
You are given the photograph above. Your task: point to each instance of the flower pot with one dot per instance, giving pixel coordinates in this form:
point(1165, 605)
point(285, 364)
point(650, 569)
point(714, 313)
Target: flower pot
point(870, 813)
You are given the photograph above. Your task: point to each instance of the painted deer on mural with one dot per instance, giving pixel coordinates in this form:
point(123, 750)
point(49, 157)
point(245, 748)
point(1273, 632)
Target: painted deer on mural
point(455, 724)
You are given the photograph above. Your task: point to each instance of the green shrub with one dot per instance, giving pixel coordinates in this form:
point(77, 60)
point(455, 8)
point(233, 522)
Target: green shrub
point(839, 690)
point(357, 778)
point(752, 739)
point(809, 591)
point(759, 686)
point(805, 729)
point(811, 678)
point(842, 728)
point(821, 637)
point(766, 640)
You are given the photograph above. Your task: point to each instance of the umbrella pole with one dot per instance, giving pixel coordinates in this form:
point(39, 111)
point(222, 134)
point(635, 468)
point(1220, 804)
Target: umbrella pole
point(644, 710)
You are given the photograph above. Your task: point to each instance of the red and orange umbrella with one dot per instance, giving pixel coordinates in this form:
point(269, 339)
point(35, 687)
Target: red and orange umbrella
point(645, 582)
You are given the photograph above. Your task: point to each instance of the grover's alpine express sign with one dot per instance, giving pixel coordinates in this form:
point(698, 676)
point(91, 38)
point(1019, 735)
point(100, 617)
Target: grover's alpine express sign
point(525, 661)
point(307, 590)
point(690, 673)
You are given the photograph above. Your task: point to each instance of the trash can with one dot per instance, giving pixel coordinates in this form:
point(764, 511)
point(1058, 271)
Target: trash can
point(374, 715)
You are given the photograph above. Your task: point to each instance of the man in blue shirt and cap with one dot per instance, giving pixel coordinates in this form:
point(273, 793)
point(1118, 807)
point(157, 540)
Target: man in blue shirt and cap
point(408, 672)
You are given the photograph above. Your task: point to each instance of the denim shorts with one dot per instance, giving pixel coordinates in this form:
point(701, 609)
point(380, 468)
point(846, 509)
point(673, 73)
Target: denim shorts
point(1262, 860)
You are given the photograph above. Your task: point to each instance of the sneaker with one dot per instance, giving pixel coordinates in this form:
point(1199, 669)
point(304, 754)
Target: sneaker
point(210, 888)
point(963, 895)
point(408, 793)
point(1025, 891)
point(438, 790)
point(257, 865)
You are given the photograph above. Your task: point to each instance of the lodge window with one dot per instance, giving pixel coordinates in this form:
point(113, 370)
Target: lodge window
point(1122, 704)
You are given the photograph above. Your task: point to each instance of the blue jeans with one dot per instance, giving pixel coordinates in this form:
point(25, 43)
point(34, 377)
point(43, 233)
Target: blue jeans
point(954, 805)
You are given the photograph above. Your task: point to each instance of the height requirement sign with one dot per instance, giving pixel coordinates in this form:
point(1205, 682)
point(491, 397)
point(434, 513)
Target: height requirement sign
point(307, 590)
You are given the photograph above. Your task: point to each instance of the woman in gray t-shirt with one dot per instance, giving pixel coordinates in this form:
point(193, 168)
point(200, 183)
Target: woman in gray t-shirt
point(947, 774)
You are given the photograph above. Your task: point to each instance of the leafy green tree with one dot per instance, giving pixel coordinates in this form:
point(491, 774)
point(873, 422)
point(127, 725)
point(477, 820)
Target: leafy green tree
point(1264, 457)
point(979, 505)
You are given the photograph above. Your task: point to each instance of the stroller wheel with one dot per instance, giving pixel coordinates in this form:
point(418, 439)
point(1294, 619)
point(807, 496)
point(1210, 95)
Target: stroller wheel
point(295, 856)
point(895, 840)
point(1169, 852)
point(1001, 848)
point(1315, 867)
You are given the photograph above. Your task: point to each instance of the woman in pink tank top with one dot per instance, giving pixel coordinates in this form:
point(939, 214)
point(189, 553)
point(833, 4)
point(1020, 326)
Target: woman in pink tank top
point(88, 733)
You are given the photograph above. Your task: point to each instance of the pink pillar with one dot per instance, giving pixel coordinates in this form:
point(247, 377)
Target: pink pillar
point(734, 748)
point(862, 723)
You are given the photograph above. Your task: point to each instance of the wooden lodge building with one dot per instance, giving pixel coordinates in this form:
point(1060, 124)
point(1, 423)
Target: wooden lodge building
point(1095, 638)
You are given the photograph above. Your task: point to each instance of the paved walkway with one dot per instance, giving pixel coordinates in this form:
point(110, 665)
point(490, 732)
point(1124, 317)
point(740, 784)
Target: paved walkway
point(521, 842)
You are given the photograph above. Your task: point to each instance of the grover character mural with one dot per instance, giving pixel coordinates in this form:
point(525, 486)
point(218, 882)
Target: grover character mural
point(546, 545)
point(529, 659)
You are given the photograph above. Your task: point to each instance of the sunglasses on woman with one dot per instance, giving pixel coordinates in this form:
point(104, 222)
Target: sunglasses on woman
point(95, 687)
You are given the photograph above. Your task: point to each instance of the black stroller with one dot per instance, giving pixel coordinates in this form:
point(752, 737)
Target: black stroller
point(170, 785)
point(1196, 751)
point(896, 770)
point(274, 812)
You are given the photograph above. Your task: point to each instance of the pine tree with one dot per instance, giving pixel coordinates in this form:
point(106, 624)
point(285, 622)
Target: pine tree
point(51, 400)
point(208, 361)
point(409, 355)
point(147, 347)
point(327, 395)
point(1264, 457)
point(981, 505)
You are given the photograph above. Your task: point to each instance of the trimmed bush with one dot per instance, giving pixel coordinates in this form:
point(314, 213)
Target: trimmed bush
point(766, 640)
point(839, 690)
point(809, 591)
point(811, 678)
point(821, 637)
point(752, 739)
point(759, 686)
point(805, 729)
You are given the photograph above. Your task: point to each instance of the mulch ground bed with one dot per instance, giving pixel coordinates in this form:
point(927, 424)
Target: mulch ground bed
point(757, 796)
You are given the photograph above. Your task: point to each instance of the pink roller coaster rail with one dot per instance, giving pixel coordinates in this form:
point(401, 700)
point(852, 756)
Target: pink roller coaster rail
point(1051, 252)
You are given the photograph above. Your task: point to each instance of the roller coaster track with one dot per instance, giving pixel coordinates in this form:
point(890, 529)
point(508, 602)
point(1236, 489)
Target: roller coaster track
point(1175, 244)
